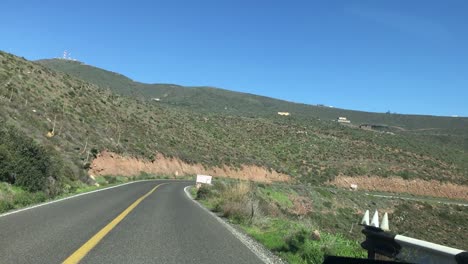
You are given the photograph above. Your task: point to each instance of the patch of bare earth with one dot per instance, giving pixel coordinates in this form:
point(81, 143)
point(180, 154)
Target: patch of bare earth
point(107, 163)
point(302, 206)
point(399, 185)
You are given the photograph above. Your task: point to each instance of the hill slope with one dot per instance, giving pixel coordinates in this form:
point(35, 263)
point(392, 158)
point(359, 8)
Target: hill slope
point(214, 100)
point(87, 119)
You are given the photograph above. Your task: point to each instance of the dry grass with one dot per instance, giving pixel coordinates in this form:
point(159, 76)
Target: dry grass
point(238, 192)
point(398, 185)
point(107, 163)
point(302, 205)
point(237, 203)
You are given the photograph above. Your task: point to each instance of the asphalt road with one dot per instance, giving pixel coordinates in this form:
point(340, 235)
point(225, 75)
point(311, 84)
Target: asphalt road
point(165, 227)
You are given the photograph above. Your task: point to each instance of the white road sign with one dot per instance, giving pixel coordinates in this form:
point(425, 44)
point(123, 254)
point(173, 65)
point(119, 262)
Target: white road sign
point(204, 179)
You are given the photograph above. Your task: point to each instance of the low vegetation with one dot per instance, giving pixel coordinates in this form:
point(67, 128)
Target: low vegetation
point(26, 164)
point(277, 220)
point(79, 119)
point(220, 101)
point(13, 196)
point(302, 224)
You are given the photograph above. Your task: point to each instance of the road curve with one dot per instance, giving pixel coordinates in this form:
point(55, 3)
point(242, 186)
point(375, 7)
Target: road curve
point(165, 227)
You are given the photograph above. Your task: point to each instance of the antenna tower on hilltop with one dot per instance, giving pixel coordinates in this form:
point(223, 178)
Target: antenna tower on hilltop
point(67, 56)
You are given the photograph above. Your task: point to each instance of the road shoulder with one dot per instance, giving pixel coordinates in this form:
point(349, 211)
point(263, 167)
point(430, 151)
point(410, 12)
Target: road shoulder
point(258, 249)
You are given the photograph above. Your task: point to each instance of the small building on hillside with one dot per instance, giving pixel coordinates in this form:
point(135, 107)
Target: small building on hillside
point(366, 126)
point(378, 127)
point(343, 120)
point(283, 113)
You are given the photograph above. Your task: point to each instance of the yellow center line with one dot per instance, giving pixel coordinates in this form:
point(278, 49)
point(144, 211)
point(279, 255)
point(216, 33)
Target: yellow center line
point(92, 242)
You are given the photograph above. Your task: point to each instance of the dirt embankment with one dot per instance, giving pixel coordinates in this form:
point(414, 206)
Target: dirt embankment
point(108, 163)
point(399, 185)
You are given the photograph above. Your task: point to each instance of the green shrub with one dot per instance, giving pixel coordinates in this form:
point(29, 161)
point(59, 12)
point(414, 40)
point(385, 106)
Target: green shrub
point(296, 240)
point(204, 192)
point(312, 252)
point(300, 244)
point(405, 174)
point(23, 199)
point(26, 199)
point(6, 170)
point(144, 176)
point(238, 212)
point(110, 179)
point(24, 163)
point(6, 206)
point(87, 165)
point(219, 186)
point(94, 152)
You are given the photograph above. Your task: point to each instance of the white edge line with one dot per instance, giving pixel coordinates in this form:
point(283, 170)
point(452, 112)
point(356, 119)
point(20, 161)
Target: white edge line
point(77, 195)
point(259, 250)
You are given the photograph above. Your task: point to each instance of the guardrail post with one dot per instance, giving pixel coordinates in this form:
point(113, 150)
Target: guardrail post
point(379, 242)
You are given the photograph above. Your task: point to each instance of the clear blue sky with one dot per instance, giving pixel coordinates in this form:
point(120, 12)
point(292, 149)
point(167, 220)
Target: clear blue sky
point(398, 55)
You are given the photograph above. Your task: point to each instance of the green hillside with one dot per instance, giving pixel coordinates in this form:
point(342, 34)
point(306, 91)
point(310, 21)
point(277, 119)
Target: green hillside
point(86, 119)
point(214, 100)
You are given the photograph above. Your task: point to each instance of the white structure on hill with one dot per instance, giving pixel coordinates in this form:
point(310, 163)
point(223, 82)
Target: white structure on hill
point(343, 120)
point(67, 56)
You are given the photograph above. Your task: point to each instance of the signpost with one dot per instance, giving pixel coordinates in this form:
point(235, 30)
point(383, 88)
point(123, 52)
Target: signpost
point(203, 179)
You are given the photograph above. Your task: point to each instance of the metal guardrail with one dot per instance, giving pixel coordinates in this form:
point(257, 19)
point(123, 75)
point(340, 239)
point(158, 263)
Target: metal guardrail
point(379, 242)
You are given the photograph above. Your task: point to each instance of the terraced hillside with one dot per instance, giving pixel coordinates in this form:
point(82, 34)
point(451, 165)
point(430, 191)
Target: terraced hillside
point(78, 120)
point(214, 100)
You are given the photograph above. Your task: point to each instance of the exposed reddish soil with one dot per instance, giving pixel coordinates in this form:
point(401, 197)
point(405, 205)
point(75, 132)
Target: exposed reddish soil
point(108, 163)
point(399, 185)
